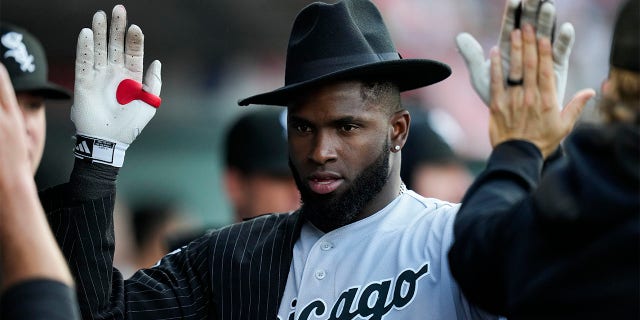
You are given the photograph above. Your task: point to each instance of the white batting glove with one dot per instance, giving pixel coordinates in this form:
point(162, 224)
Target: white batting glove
point(541, 15)
point(111, 106)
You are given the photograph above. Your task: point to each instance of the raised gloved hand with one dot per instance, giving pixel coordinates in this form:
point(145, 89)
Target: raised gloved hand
point(538, 13)
point(111, 106)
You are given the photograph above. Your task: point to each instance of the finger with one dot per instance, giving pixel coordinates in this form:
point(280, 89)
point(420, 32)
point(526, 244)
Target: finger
point(8, 102)
point(509, 20)
point(572, 111)
point(478, 67)
point(563, 44)
point(529, 12)
point(153, 80)
point(134, 51)
point(497, 82)
point(515, 67)
point(99, 26)
point(546, 20)
point(84, 55)
point(470, 50)
point(530, 57)
point(546, 75)
point(116, 34)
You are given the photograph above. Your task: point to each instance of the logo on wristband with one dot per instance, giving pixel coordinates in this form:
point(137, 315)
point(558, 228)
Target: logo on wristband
point(95, 149)
point(83, 148)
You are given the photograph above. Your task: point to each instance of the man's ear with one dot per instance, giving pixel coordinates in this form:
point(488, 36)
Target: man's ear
point(399, 130)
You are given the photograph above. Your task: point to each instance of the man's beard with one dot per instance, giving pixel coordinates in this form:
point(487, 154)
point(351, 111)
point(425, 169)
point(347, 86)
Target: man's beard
point(329, 212)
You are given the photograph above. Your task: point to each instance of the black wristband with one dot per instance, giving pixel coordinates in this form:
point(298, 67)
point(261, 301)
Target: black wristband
point(92, 180)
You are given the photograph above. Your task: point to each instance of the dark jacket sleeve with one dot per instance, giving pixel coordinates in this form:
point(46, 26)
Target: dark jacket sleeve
point(564, 247)
point(39, 299)
point(81, 216)
point(491, 218)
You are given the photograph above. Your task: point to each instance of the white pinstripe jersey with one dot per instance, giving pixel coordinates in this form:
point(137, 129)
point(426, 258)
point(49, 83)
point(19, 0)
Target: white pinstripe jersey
point(391, 265)
point(241, 271)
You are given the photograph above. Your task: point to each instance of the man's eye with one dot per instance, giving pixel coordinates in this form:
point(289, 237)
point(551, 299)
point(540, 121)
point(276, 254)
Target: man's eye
point(35, 105)
point(348, 127)
point(302, 128)
point(32, 105)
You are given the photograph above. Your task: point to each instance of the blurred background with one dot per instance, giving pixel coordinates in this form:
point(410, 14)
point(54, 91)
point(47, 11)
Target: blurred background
point(216, 52)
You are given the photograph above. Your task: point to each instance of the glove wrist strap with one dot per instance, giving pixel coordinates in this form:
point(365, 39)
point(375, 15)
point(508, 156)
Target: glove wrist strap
point(100, 150)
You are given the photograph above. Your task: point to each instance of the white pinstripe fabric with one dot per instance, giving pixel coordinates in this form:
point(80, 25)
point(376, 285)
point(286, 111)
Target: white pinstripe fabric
point(237, 272)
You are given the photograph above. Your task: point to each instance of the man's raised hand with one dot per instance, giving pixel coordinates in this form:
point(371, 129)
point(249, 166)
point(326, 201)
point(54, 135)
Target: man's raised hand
point(111, 103)
point(529, 110)
point(538, 13)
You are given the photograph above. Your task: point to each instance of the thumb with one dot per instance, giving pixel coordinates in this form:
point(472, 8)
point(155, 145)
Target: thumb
point(152, 79)
point(574, 108)
point(471, 51)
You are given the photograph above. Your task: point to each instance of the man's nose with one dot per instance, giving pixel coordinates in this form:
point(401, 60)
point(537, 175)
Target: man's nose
point(324, 148)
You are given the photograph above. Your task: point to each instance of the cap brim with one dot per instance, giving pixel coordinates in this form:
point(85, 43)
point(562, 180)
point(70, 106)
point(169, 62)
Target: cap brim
point(47, 90)
point(407, 74)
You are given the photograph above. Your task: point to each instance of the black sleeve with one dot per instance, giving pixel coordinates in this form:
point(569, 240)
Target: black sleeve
point(81, 216)
point(39, 299)
point(493, 214)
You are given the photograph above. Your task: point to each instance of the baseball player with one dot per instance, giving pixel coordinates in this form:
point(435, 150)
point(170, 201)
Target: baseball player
point(257, 178)
point(256, 174)
point(24, 57)
point(430, 166)
point(362, 246)
point(562, 243)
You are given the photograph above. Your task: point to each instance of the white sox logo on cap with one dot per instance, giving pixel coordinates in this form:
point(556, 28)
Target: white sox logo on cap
point(17, 49)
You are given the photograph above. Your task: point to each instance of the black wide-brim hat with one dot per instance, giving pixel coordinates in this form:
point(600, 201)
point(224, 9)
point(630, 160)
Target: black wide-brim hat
point(347, 40)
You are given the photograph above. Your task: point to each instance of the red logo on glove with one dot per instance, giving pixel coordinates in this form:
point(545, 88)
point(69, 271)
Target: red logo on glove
point(129, 90)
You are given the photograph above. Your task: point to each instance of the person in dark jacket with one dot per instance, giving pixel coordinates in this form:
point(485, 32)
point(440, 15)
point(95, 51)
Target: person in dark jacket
point(563, 243)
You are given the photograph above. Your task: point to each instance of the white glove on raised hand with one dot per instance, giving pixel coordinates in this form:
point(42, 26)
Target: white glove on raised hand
point(111, 106)
point(541, 15)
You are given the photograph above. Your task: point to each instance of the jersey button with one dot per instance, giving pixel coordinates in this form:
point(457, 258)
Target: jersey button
point(320, 274)
point(325, 246)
